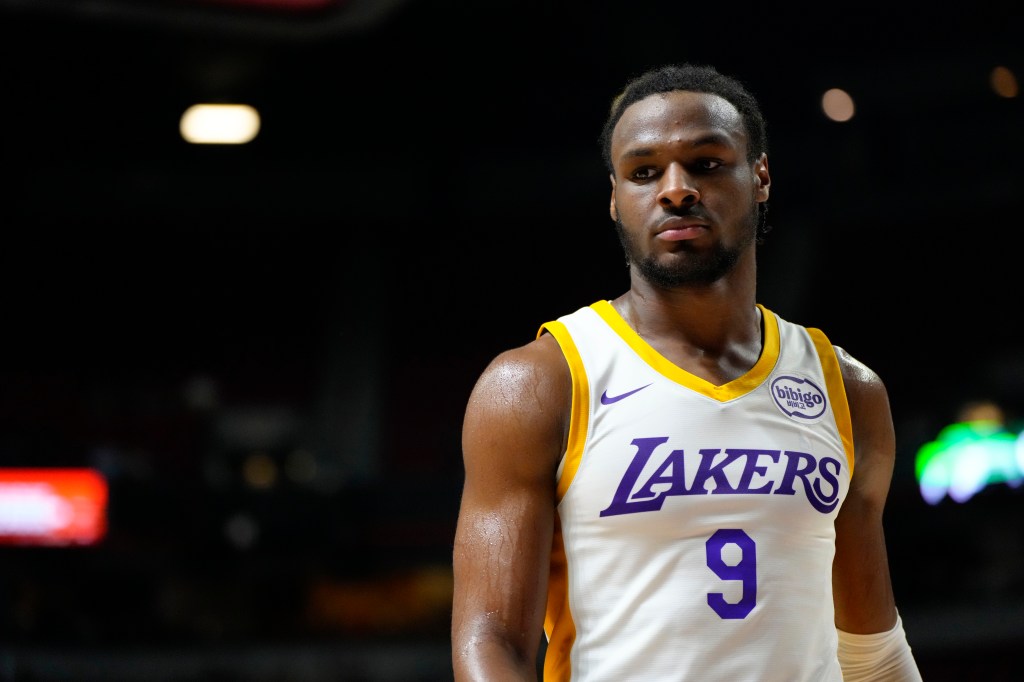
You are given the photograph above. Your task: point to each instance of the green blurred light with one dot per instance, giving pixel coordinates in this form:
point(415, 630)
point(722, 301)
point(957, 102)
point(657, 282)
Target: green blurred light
point(966, 457)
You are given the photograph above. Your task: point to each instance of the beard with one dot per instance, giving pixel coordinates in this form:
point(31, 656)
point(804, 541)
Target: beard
point(695, 267)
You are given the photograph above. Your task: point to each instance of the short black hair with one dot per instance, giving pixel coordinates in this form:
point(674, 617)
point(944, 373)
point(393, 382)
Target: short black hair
point(692, 78)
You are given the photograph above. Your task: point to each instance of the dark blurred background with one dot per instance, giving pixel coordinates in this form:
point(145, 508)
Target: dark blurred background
point(266, 349)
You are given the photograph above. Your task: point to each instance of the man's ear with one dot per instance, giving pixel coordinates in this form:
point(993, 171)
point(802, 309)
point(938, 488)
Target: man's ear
point(762, 177)
point(612, 211)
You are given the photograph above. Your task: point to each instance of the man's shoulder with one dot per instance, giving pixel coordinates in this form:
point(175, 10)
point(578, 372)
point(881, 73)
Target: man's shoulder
point(854, 370)
point(526, 364)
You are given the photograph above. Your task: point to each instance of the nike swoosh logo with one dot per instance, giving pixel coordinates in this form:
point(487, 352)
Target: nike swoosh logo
point(608, 400)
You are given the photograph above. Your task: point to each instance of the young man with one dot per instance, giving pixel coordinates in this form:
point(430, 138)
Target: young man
point(678, 484)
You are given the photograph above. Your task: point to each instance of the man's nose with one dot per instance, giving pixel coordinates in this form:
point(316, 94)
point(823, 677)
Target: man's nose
point(677, 188)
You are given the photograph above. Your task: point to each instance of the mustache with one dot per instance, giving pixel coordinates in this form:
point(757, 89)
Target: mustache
point(688, 211)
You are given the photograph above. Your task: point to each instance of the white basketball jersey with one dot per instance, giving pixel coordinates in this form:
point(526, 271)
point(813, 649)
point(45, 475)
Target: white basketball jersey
point(695, 523)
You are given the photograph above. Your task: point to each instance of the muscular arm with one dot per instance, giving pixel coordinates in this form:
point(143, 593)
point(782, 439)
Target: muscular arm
point(861, 584)
point(513, 435)
point(872, 643)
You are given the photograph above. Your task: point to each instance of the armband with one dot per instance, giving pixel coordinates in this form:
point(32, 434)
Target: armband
point(880, 657)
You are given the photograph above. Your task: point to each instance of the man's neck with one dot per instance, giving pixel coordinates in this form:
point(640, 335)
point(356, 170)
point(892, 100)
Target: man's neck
point(714, 332)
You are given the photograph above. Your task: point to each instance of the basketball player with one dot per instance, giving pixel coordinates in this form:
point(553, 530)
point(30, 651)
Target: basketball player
point(678, 484)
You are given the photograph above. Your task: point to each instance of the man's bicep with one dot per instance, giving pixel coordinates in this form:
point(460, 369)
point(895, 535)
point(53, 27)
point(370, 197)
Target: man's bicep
point(506, 517)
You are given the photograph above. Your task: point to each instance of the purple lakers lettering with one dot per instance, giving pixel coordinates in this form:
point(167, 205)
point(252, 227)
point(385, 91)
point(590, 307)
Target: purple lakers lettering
point(746, 475)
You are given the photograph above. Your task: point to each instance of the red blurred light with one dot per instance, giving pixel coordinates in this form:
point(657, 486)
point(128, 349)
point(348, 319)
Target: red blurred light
point(52, 506)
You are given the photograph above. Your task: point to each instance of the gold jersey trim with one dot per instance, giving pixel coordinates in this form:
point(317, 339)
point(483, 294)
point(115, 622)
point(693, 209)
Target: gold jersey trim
point(733, 389)
point(836, 390)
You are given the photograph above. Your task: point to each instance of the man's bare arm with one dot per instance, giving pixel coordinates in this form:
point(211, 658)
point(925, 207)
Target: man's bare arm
point(872, 642)
point(861, 581)
point(513, 435)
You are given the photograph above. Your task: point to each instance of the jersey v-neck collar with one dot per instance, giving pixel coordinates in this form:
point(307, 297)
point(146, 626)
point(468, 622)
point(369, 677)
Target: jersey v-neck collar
point(739, 386)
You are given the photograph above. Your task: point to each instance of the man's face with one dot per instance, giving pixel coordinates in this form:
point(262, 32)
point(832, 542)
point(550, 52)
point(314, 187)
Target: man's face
point(684, 196)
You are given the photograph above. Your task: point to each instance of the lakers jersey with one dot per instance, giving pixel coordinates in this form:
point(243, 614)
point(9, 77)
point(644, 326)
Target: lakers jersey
point(695, 533)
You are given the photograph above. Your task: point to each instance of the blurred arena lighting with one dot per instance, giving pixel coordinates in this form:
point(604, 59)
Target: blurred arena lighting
point(837, 105)
point(1004, 82)
point(241, 531)
point(52, 507)
point(219, 124)
point(259, 471)
point(201, 393)
point(978, 451)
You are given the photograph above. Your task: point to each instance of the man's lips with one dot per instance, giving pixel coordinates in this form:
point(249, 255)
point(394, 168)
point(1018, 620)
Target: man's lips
point(680, 229)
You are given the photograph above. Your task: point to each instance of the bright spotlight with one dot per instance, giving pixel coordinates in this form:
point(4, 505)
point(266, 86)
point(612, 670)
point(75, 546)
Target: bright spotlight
point(837, 105)
point(219, 124)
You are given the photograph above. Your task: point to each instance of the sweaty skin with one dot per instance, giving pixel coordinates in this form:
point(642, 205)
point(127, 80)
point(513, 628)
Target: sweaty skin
point(684, 200)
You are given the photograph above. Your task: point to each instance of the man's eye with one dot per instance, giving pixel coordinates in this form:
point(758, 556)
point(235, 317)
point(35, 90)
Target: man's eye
point(645, 173)
point(708, 164)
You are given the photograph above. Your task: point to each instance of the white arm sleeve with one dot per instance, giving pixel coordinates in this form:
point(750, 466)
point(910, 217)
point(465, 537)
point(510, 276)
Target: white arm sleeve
point(881, 657)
